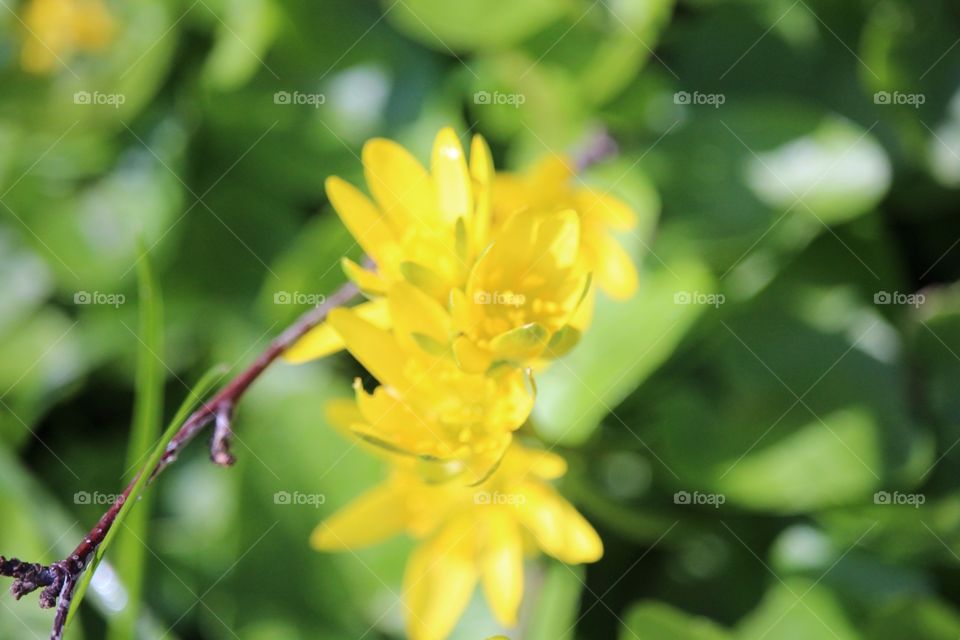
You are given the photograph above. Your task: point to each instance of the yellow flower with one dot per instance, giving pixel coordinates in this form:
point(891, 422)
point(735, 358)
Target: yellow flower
point(522, 293)
point(550, 187)
point(59, 28)
point(417, 231)
point(478, 280)
point(456, 423)
point(416, 228)
point(467, 535)
point(511, 290)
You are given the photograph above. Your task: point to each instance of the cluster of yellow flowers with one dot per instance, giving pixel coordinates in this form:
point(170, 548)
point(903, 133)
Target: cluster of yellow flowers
point(480, 280)
point(56, 29)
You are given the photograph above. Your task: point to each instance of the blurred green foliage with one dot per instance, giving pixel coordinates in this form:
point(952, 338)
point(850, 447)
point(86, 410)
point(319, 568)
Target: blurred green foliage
point(794, 348)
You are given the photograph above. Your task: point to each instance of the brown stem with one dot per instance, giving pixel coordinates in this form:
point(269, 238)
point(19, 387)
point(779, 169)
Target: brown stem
point(59, 579)
point(220, 444)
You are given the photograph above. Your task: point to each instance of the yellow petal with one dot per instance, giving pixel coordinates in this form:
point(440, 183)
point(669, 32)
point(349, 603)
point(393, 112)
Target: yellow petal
point(430, 345)
point(399, 183)
point(319, 342)
point(362, 219)
point(558, 527)
point(342, 413)
point(345, 417)
point(460, 310)
point(545, 464)
point(559, 234)
point(611, 211)
point(516, 395)
point(462, 244)
point(510, 194)
point(450, 175)
point(323, 340)
point(479, 466)
point(470, 357)
point(580, 314)
point(481, 169)
point(375, 516)
point(614, 270)
point(375, 348)
point(582, 544)
point(438, 582)
point(583, 315)
point(391, 423)
point(413, 311)
point(514, 245)
point(425, 278)
point(502, 565)
point(552, 174)
point(369, 282)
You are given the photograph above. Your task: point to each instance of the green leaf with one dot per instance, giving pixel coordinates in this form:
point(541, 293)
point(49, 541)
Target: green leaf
point(658, 620)
point(207, 382)
point(902, 535)
point(555, 615)
point(796, 404)
point(934, 326)
point(472, 24)
point(28, 391)
point(797, 609)
point(510, 91)
point(837, 172)
point(602, 46)
point(837, 453)
point(146, 428)
point(776, 175)
point(28, 277)
point(243, 36)
point(924, 618)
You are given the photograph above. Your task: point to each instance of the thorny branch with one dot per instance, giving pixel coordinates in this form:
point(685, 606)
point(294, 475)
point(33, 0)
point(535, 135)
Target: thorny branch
point(59, 579)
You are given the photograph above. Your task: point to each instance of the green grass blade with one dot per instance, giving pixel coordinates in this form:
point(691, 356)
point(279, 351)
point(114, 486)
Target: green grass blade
point(130, 552)
point(207, 382)
point(554, 617)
